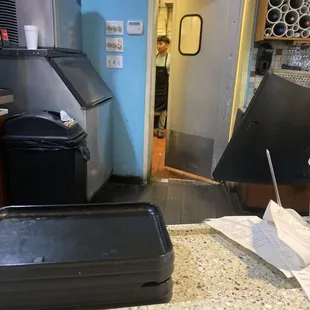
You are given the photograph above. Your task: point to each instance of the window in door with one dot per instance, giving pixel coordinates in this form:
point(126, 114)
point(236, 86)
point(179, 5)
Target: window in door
point(190, 35)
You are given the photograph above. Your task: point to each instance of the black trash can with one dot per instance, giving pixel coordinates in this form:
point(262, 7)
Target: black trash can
point(45, 158)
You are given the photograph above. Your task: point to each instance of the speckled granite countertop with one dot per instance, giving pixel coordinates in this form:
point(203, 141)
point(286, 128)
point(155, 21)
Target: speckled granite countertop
point(213, 272)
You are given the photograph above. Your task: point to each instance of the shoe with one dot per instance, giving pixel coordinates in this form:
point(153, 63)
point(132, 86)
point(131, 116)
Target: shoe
point(160, 134)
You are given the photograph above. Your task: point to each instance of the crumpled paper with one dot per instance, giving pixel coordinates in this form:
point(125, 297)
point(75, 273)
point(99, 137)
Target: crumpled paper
point(293, 231)
point(282, 238)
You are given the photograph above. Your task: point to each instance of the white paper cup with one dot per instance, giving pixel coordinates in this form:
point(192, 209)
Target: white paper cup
point(31, 33)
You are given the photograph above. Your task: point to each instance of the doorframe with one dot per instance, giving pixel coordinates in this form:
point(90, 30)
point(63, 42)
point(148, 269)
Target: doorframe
point(153, 6)
point(224, 109)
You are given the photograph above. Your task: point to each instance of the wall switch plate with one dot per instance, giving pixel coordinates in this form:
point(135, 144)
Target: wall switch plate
point(114, 61)
point(114, 28)
point(114, 45)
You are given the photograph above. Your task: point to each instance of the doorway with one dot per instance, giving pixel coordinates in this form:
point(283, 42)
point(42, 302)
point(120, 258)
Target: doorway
point(159, 168)
point(163, 57)
point(204, 50)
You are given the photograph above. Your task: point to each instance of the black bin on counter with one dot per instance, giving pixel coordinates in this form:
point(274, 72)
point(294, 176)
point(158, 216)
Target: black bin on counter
point(91, 256)
point(45, 159)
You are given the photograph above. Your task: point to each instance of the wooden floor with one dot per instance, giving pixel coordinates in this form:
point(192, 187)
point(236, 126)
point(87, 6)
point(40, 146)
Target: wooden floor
point(160, 171)
point(181, 202)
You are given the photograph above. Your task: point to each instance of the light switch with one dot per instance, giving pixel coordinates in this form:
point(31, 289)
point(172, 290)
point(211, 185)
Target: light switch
point(114, 45)
point(114, 61)
point(114, 27)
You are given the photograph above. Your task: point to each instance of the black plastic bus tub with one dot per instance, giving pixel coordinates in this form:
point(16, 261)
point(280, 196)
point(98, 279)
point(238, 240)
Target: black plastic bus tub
point(91, 256)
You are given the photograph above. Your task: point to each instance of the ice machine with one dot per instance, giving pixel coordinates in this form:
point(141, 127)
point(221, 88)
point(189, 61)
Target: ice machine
point(59, 22)
point(58, 76)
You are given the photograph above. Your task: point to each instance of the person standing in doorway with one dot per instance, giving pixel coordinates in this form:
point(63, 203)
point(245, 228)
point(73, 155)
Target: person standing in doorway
point(162, 82)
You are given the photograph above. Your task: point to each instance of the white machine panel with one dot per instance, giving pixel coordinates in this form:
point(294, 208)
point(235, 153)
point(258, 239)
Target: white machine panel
point(135, 27)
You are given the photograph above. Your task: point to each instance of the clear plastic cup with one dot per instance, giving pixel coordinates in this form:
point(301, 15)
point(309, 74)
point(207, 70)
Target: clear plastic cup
point(31, 33)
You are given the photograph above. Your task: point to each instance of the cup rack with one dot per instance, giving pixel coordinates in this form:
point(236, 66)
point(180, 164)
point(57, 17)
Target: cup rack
point(283, 20)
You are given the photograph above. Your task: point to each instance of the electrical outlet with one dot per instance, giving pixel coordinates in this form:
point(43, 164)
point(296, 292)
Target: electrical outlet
point(114, 28)
point(114, 62)
point(114, 45)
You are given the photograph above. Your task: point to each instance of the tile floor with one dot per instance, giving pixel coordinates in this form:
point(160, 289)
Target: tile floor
point(180, 202)
point(160, 171)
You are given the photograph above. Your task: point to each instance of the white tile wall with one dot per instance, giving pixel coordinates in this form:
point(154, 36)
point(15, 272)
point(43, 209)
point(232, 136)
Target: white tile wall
point(277, 61)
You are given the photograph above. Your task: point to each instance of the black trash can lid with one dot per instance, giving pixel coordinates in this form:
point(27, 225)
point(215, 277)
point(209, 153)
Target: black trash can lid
point(41, 124)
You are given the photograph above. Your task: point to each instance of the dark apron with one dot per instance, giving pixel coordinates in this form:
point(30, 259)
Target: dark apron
point(162, 87)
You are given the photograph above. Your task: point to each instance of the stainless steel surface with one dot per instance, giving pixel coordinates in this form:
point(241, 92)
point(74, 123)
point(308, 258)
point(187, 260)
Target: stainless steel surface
point(202, 86)
point(40, 14)
point(68, 24)
point(59, 22)
point(98, 126)
point(273, 176)
point(230, 40)
point(189, 153)
point(37, 86)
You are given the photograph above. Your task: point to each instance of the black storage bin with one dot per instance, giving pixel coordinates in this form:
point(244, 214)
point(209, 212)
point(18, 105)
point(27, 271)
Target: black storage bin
point(45, 159)
point(91, 256)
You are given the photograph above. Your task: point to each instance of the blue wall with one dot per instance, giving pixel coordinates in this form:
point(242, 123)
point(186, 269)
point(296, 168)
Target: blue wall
point(127, 84)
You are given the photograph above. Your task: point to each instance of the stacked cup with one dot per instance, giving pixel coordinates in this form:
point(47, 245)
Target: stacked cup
point(31, 33)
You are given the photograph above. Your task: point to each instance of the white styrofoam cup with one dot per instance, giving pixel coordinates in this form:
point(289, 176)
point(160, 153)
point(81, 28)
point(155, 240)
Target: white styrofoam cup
point(31, 32)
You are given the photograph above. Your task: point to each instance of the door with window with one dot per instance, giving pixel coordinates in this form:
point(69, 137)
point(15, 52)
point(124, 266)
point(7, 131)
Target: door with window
point(204, 54)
